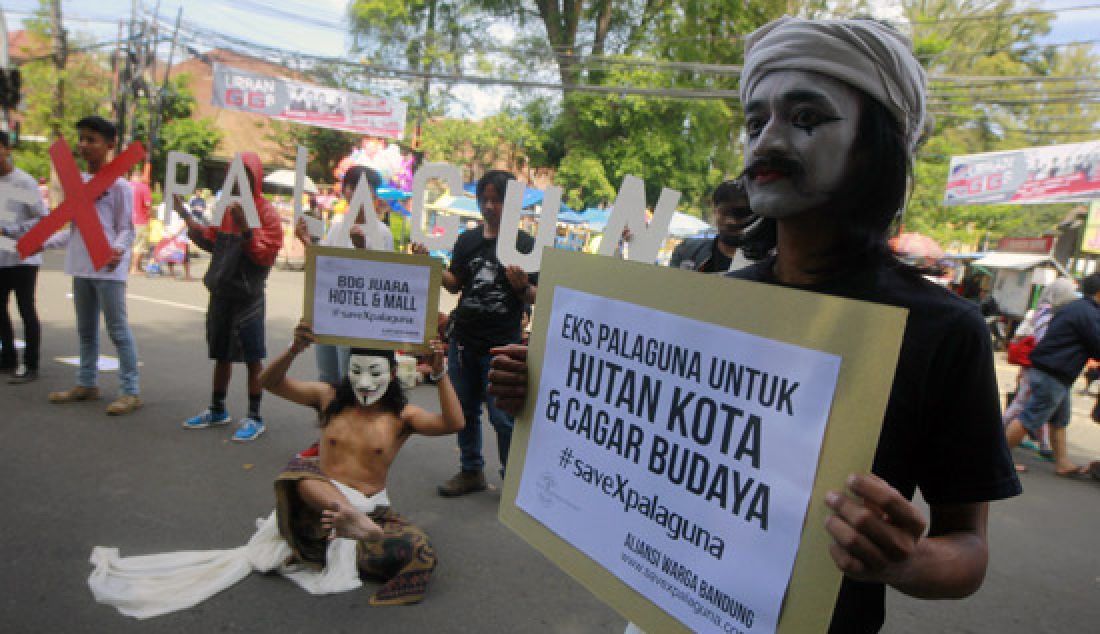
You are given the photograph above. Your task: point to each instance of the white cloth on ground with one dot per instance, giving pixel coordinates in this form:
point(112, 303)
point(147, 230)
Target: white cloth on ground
point(150, 585)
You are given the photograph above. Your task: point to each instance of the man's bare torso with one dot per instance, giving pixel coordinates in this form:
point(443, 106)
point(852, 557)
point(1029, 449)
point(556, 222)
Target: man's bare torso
point(359, 445)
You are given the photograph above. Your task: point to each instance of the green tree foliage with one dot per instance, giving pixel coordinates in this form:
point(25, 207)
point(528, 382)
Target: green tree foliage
point(681, 144)
point(326, 147)
point(86, 79)
point(984, 57)
point(984, 42)
point(178, 130)
point(501, 141)
point(584, 179)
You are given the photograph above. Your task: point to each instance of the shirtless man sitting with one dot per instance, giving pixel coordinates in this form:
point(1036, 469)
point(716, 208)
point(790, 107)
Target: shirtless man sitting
point(340, 491)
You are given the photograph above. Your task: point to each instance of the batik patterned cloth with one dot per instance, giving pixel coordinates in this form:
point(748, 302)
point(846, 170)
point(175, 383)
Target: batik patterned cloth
point(403, 559)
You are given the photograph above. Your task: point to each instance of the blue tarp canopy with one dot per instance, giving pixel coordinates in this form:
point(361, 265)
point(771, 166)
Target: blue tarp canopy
point(596, 218)
point(569, 216)
point(389, 193)
point(531, 196)
point(462, 203)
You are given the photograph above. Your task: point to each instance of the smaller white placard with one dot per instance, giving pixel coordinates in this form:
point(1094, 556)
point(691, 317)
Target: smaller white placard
point(369, 299)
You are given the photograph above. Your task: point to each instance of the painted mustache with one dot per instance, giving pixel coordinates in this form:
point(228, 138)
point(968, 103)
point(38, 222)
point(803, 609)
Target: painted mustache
point(771, 164)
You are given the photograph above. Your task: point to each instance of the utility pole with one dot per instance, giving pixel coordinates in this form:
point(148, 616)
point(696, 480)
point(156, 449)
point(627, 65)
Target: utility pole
point(60, 55)
point(427, 50)
point(5, 62)
point(118, 97)
point(162, 94)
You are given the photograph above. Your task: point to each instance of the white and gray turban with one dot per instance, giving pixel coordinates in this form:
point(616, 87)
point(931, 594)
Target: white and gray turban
point(861, 53)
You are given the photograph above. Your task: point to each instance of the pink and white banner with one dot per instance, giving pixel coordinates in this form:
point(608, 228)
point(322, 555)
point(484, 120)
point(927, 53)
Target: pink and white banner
point(290, 100)
point(1050, 174)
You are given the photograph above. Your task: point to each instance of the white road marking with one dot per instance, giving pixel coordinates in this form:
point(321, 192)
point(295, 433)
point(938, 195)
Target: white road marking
point(165, 302)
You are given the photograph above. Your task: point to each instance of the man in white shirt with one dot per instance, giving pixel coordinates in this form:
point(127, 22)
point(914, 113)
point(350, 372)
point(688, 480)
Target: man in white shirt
point(16, 275)
point(101, 290)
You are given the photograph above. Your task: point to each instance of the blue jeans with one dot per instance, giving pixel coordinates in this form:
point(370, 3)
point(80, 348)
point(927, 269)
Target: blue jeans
point(332, 362)
point(1049, 401)
point(469, 372)
point(90, 296)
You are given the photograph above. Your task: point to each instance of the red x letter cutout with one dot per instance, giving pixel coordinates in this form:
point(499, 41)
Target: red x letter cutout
point(79, 205)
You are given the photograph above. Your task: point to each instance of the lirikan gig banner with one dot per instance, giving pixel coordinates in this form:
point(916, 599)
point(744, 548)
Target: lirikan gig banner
point(300, 102)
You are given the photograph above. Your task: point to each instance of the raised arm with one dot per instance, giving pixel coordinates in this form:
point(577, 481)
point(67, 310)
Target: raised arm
point(313, 394)
point(450, 418)
point(451, 282)
point(200, 234)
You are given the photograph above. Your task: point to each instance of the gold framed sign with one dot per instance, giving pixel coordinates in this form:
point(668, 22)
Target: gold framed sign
point(372, 299)
point(680, 436)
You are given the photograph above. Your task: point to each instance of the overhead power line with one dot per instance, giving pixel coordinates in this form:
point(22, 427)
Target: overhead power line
point(950, 84)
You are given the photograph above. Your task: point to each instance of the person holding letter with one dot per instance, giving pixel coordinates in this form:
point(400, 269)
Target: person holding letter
point(833, 112)
point(489, 313)
point(241, 259)
point(332, 360)
point(103, 289)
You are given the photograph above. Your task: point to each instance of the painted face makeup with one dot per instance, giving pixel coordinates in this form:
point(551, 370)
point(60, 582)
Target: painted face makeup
point(370, 377)
point(801, 129)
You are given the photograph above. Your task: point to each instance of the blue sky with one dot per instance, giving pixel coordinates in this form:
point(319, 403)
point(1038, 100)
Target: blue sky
point(317, 26)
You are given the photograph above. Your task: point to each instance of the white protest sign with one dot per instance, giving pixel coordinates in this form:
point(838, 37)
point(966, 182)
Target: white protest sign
point(509, 227)
point(236, 179)
point(10, 194)
point(172, 187)
point(629, 211)
point(677, 454)
point(452, 177)
point(356, 298)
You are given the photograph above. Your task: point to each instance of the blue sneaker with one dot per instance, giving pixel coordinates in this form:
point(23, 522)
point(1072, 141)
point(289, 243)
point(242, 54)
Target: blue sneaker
point(250, 429)
point(206, 419)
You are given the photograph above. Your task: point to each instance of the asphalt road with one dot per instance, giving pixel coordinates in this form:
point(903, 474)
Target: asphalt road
point(75, 479)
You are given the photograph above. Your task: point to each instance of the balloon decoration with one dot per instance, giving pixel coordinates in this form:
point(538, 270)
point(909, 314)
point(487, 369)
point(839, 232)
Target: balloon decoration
point(384, 157)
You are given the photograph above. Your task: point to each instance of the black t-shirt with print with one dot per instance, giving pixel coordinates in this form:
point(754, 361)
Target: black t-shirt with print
point(718, 263)
point(942, 429)
point(490, 310)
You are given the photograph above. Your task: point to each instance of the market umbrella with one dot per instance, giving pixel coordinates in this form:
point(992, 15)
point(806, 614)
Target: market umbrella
point(285, 178)
point(916, 245)
point(683, 225)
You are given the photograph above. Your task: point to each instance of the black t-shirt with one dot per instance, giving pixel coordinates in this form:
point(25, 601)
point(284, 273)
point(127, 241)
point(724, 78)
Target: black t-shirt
point(942, 429)
point(490, 310)
point(718, 263)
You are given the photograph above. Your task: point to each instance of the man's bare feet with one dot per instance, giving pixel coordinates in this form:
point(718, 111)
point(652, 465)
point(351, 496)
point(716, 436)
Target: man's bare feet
point(345, 521)
point(1070, 470)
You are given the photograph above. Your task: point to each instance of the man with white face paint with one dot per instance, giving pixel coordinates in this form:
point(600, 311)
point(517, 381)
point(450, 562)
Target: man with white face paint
point(833, 112)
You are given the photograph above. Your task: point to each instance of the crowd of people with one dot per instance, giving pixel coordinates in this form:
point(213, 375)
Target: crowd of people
point(834, 110)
